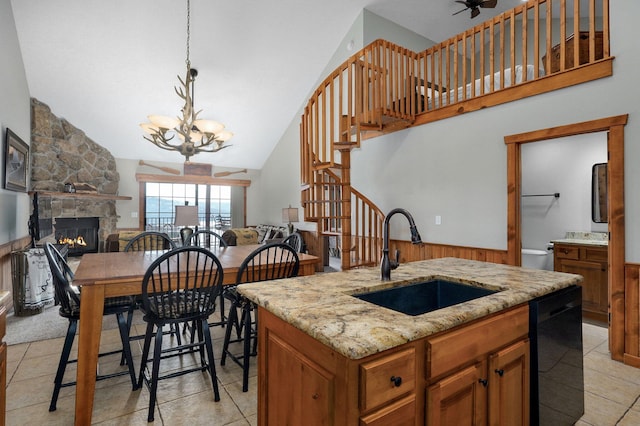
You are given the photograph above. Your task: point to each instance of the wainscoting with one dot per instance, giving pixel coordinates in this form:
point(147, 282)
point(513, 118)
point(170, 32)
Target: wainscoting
point(410, 252)
point(632, 314)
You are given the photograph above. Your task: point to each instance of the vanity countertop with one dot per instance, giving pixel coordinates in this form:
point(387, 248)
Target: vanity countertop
point(322, 305)
point(584, 238)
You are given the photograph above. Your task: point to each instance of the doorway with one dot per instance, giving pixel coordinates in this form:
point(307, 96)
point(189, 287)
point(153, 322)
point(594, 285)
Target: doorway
point(614, 126)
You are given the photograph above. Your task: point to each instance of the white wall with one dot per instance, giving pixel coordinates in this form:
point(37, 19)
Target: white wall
point(563, 166)
point(15, 114)
point(456, 168)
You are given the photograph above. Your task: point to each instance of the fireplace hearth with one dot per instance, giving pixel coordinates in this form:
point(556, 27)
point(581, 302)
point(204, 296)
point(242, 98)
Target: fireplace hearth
point(80, 234)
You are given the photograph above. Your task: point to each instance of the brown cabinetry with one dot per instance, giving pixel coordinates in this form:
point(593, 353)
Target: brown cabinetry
point(591, 262)
point(475, 374)
point(485, 382)
point(569, 49)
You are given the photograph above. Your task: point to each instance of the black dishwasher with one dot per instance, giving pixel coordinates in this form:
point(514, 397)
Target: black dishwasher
point(557, 381)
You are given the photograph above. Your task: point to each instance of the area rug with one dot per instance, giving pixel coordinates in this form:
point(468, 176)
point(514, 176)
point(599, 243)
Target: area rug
point(48, 325)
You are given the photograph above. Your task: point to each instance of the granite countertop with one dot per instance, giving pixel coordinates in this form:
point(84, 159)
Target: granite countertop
point(322, 306)
point(584, 238)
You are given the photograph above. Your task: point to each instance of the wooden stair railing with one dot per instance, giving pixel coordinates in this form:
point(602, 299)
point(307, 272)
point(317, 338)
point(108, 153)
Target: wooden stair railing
point(385, 87)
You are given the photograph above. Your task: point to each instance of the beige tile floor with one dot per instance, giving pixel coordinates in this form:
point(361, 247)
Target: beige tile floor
point(612, 390)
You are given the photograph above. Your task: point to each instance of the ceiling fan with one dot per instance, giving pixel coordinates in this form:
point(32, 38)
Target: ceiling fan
point(474, 5)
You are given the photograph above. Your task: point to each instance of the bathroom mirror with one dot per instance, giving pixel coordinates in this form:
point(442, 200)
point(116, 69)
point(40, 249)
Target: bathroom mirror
point(599, 204)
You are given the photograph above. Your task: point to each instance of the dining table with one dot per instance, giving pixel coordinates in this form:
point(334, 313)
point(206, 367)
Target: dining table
point(110, 274)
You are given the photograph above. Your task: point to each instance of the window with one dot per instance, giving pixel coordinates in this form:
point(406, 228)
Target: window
point(213, 201)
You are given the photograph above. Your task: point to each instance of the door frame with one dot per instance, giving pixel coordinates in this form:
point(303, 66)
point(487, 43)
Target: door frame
point(614, 126)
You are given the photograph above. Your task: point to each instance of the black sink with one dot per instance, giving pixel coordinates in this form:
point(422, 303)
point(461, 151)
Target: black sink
point(423, 297)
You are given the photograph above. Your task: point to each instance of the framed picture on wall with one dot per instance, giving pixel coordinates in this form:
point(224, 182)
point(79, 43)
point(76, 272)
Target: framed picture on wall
point(16, 162)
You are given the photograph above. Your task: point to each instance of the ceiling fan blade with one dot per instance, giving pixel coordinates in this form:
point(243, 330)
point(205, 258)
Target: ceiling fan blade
point(475, 12)
point(463, 2)
point(460, 11)
point(489, 3)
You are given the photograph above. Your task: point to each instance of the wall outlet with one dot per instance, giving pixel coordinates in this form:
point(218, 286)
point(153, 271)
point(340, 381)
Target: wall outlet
point(438, 220)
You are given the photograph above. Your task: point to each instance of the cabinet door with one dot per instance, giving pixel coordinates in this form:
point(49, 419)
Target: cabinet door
point(509, 385)
point(459, 399)
point(594, 286)
point(298, 390)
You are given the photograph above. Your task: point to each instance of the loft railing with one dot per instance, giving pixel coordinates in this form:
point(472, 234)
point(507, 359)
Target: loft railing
point(385, 87)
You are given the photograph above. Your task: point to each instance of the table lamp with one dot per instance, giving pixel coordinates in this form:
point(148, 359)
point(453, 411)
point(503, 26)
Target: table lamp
point(186, 216)
point(290, 214)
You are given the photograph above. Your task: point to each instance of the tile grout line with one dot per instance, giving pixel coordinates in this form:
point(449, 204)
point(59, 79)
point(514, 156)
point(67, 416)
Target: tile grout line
point(627, 410)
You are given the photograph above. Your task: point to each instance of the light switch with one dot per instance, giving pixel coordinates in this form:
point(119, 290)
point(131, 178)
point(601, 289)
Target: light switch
point(134, 214)
point(438, 220)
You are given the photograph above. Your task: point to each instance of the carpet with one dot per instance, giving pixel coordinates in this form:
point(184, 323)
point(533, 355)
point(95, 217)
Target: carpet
point(48, 325)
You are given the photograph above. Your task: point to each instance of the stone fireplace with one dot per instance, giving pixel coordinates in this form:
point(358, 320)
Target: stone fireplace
point(62, 153)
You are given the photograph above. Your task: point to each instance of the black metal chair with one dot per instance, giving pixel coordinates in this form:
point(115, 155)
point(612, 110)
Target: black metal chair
point(212, 241)
point(69, 299)
point(181, 286)
point(295, 240)
point(270, 262)
point(148, 241)
point(207, 239)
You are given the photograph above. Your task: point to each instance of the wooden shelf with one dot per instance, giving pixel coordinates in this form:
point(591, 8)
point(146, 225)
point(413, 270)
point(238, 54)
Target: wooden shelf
point(82, 195)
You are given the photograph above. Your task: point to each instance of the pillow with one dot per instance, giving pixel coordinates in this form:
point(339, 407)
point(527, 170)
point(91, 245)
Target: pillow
point(261, 233)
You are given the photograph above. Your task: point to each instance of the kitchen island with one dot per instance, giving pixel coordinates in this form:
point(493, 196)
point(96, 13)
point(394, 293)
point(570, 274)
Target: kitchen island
point(327, 357)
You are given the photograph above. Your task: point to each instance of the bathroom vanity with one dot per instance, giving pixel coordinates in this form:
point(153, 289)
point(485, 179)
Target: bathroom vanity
point(587, 254)
point(329, 357)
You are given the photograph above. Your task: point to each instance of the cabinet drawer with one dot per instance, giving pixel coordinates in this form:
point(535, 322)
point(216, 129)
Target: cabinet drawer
point(595, 254)
point(567, 252)
point(387, 378)
point(400, 413)
point(459, 347)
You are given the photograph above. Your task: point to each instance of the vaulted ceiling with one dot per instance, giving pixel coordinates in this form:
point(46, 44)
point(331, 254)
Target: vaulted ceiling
point(106, 65)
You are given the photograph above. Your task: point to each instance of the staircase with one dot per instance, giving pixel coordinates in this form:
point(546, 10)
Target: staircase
point(352, 104)
point(384, 88)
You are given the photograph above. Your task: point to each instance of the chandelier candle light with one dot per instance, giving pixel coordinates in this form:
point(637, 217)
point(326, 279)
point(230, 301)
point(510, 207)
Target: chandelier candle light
point(195, 135)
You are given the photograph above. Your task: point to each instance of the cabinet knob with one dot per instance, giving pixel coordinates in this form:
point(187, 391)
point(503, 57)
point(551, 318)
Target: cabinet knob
point(397, 381)
point(500, 372)
point(483, 382)
point(315, 396)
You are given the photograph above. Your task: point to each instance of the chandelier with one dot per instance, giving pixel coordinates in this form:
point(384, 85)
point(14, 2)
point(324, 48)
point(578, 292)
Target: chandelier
point(195, 135)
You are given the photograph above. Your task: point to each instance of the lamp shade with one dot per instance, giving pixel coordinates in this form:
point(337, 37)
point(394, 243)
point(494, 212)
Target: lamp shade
point(186, 216)
point(290, 214)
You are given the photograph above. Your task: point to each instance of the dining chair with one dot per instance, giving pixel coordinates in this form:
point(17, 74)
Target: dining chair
point(295, 240)
point(211, 241)
point(148, 241)
point(181, 286)
point(207, 239)
point(269, 262)
point(69, 298)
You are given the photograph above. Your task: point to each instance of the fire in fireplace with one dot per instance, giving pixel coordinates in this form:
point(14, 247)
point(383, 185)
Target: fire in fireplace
point(80, 234)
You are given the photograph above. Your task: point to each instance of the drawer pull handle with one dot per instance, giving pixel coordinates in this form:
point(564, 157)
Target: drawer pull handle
point(315, 396)
point(500, 372)
point(483, 382)
point(397, 381)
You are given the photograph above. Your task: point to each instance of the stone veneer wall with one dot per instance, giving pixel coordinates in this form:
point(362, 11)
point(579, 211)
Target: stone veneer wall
point(62, 153)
